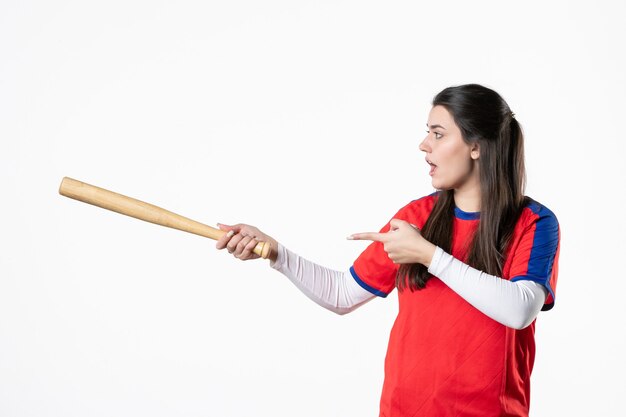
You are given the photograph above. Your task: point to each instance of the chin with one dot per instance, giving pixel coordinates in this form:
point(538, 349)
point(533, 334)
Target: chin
point(439, 186)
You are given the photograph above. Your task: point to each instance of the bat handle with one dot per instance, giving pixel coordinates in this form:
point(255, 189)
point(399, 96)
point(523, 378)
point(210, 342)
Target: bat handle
point(263, 249)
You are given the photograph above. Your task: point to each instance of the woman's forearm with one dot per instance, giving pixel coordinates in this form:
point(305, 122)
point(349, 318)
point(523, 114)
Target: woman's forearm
point(514, 304)
point(334, 290)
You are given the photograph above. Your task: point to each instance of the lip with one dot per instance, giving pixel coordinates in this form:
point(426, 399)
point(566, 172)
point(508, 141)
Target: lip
point(433, 167)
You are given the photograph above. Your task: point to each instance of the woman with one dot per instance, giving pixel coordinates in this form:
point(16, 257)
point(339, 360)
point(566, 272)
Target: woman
point(474, 263)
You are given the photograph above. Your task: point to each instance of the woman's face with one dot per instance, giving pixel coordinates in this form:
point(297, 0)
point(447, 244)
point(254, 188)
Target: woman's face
point(453, 163)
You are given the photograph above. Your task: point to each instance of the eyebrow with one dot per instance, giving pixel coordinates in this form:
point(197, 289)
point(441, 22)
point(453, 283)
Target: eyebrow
point(434, 126)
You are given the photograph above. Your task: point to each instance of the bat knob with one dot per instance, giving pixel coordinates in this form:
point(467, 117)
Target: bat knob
point(263, 249)
point(267, 248)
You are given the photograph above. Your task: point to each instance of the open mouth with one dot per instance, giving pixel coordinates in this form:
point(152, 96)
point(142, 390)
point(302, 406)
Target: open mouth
point(432, 166)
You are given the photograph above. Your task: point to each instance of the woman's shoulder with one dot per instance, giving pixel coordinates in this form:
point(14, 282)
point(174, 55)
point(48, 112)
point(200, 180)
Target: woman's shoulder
point(426, 201)
point(418, 208)
point(538, 214)
point(537, 208)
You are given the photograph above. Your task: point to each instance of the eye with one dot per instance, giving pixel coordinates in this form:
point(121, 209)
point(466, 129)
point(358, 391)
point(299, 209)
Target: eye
point(437, 134)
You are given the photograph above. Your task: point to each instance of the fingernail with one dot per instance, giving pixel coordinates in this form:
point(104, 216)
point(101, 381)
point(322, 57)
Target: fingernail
point(230, 233)
point(350, 238)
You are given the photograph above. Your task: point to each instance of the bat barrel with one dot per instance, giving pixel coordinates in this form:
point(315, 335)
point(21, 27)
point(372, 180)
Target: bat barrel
point(141, 210)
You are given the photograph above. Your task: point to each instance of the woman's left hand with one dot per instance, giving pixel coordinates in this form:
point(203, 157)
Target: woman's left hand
point(403, 243)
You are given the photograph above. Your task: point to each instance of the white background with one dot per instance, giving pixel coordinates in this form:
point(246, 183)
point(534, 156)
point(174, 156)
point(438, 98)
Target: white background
point(302, 118)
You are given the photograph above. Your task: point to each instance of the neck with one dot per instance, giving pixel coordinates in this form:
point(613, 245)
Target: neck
point(468, 198)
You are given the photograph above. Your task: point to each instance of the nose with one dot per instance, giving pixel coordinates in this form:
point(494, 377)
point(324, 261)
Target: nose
point(425, 146)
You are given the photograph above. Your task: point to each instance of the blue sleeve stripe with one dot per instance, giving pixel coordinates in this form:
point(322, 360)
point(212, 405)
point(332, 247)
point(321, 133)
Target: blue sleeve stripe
point(545, 242)
point(543, 251)
point(365, 286)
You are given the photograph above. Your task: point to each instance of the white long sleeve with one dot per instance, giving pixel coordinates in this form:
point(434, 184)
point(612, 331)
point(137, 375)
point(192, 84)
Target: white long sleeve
point(334, 290)
point(514, 304)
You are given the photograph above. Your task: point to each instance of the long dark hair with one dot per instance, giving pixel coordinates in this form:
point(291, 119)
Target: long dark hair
point(485, 118)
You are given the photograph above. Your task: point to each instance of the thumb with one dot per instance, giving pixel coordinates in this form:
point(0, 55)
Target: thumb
point(227, 228)
point(395, 224)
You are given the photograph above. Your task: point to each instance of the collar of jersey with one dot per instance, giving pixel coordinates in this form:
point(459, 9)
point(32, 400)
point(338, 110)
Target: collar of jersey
point(466, 215)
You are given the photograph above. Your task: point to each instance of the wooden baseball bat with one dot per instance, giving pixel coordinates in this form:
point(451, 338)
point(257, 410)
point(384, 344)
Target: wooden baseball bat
point(143, 211)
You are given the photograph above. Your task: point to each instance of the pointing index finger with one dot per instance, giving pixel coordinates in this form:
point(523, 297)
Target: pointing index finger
point(376, 237)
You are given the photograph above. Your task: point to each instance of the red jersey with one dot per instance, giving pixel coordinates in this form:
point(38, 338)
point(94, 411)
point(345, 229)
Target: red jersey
point(446, 358)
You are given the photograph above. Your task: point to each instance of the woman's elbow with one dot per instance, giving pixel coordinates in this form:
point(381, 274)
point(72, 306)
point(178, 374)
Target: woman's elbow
point(519, 326)
point(342, 311)
point(522, 321)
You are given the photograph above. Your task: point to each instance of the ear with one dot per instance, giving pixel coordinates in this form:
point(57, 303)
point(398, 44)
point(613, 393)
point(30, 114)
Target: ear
point(475, 152)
